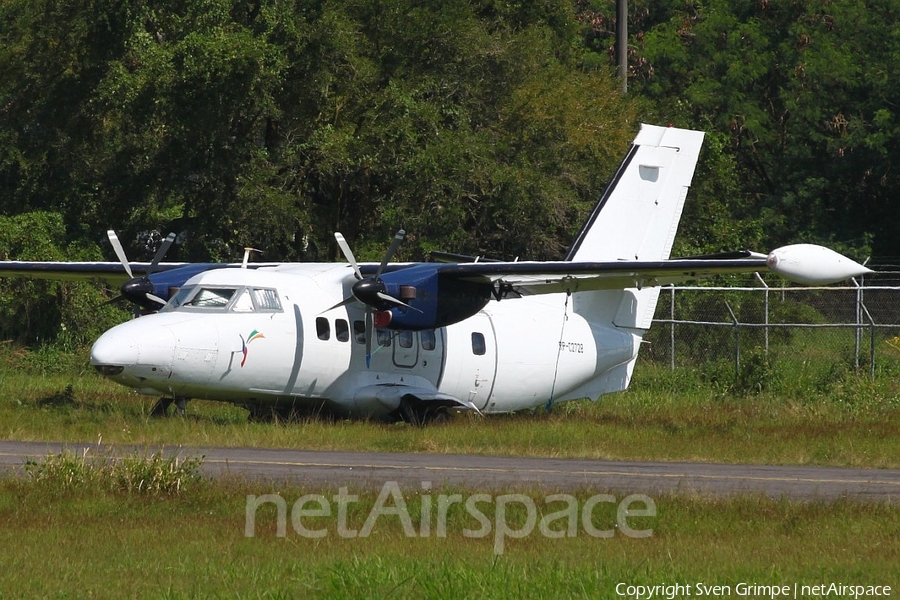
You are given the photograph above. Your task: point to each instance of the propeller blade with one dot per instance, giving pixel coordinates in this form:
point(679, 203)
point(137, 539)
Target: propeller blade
point(370, 290)
point(161, 252)
point(156, 299)
point(392, 300)
point(119, 298)
point(120, 251)
point(348, 254)
point(344, 302)
point(398, 239)
point(139, 290)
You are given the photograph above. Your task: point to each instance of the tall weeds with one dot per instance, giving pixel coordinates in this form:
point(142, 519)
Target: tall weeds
point(154, 474)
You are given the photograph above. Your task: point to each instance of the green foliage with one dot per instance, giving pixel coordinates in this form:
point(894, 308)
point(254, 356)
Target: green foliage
point(275, 123)
point(69, 314)
point(798, 89)
point(152, 475)
point(480, 127)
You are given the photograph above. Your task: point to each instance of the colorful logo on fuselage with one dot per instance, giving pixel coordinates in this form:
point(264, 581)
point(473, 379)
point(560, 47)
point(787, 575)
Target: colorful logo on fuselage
point(254, 335)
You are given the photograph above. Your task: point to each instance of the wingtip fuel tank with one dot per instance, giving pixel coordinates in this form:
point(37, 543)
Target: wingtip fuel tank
point(810, 264)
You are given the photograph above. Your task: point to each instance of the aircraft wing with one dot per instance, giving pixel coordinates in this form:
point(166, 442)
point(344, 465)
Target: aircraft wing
point(802, 263)
point(112, 272)
point(546, 278)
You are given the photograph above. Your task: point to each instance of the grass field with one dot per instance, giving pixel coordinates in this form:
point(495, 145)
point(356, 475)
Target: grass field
point(663, 416)
point(89, 539)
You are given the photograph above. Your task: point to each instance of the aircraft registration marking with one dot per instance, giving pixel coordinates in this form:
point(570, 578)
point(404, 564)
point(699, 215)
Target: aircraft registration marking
point(573, 347)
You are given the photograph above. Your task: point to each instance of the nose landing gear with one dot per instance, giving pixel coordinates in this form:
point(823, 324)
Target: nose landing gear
point(161, 408)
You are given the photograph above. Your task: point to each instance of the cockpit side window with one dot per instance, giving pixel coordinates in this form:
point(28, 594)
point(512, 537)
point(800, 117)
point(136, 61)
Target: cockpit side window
point(236, 299)
point(243, 303)
point(179, 297)
point(266, 300)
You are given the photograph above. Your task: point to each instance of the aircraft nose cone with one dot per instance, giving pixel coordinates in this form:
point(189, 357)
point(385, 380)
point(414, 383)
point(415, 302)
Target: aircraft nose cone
point(113, 351)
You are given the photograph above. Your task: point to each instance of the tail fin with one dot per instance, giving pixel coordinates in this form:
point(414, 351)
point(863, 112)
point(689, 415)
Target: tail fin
point(637, 216)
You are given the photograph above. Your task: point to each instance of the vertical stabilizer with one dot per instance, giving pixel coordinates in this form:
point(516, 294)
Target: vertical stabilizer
point(637, 217)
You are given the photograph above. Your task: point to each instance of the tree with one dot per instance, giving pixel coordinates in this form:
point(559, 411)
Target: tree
point(36, 311)
point(801, 90)
point(272, 124)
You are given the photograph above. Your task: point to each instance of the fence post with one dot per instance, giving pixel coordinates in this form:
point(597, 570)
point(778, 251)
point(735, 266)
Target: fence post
point(858, 330)
point(737, 341)
point(765, 313)
point(871, 342)
point(672, 330)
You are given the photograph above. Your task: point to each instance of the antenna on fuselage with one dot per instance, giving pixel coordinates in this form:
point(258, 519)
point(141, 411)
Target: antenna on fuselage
point(247, 251)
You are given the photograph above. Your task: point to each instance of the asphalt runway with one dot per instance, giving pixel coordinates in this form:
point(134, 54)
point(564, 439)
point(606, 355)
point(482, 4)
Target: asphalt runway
point(324, 470)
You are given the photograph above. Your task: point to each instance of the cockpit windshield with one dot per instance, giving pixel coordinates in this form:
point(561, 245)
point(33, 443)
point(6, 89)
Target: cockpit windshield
point(238, 299)
point(211, 298)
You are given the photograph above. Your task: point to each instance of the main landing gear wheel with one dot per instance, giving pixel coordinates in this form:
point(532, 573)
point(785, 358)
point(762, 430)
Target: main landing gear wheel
point(421, 414)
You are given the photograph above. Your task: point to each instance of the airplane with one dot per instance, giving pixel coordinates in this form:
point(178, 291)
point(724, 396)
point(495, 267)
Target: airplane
point(414, 341)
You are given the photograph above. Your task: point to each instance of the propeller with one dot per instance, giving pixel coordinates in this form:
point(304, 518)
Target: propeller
point(139, 290)
point(371, 290)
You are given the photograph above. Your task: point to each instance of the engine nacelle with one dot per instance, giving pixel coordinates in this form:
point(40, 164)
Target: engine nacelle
point(436, 300)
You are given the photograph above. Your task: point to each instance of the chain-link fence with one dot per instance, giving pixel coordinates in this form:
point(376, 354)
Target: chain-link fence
point(854, 326)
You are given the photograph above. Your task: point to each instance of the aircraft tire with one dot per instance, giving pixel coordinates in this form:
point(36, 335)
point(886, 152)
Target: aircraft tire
point(161, 408)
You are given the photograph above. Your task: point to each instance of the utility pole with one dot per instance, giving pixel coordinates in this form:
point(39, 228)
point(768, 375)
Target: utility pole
point(622, 42)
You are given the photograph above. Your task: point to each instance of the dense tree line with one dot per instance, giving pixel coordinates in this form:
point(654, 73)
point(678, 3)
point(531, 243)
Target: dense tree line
point(801, 97)
point(481, 126)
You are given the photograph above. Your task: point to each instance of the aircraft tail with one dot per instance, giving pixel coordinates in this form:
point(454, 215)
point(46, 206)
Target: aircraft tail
point(638, 214)
point(635, 219)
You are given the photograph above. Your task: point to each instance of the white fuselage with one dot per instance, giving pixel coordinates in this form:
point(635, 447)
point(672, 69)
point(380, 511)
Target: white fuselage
point(306, 351)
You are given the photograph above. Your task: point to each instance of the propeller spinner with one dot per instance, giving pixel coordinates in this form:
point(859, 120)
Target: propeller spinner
point(139, 290)
point(371, 290)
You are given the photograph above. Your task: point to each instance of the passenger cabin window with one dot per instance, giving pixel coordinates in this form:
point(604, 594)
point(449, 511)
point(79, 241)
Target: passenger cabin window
point(479, 348)
point(323, 328)
point(405, 339)
point(341, 330)
point(428, 339)
point(382, 336)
